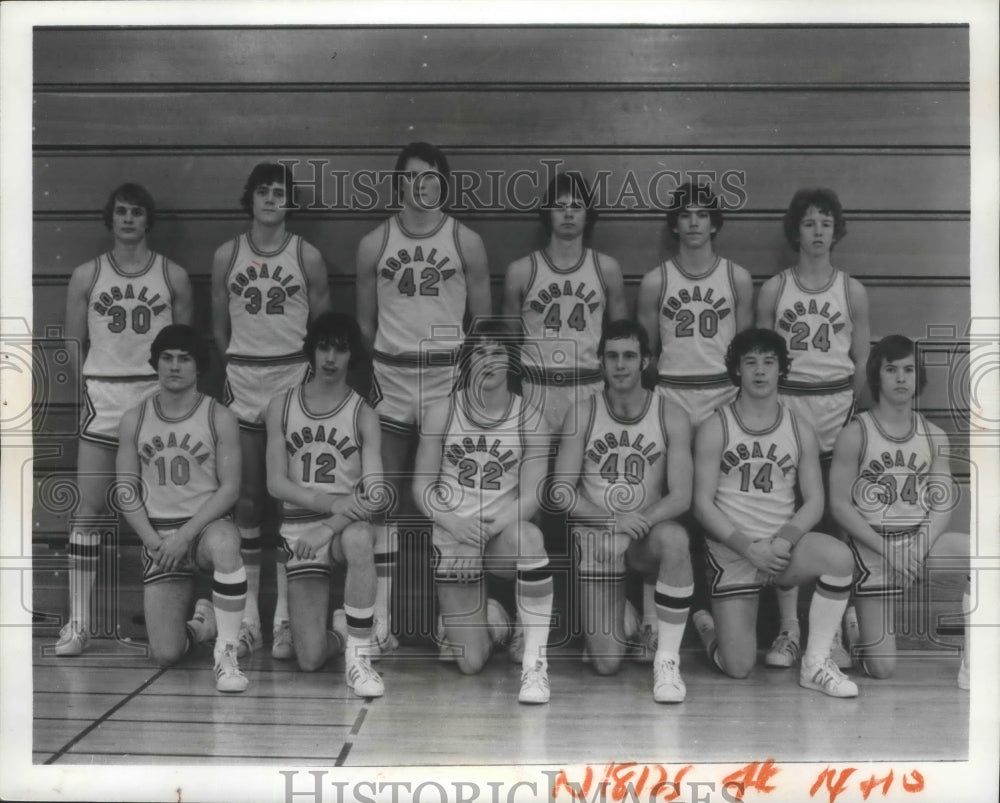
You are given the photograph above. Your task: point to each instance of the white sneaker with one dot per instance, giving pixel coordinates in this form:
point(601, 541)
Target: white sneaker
point(250, 638)
point(73, 639)
point(228, 677)
point(824, 676)
point(282, 646)
point(203, 622)
point(840, 656)
point(362, 678)
point(963, 671)
point(668, 687)
point(784, 650)
point(534, 684)
point(644, 644)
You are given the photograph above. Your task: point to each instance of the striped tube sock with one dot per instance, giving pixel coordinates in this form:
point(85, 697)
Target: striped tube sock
point(359, 629)
point(250, 552)
point(672, 606)
point(85, 538)
point(229, 595)
point(386, 549)
point(825, 611)
point(534, 607)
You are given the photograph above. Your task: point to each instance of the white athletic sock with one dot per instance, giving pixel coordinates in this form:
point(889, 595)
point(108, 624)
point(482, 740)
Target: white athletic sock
point(85, 537)
point(534, 607)
point(825, 611)
point(672, 606)
point(281, 576)
point(228, 599)
point(250, 551)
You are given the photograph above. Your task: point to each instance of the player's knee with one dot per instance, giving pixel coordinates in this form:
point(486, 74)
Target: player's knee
point(879, 667)
point(840, 558)
point(168, 654)
point(736, 666)
point(671, 541)
point(473, 659)
point(358, 542)
point(531, 543)
point(606, 664)
point(222, 540)
point(310, 659)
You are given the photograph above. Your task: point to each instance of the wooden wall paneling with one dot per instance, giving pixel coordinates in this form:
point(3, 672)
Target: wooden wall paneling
point(929, 181)
point(798, 118)
point(505, 55)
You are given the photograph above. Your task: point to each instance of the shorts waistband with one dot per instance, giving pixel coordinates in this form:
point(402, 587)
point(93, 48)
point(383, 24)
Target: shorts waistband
point(432, 358)
point(705, 381)
point(814, 388)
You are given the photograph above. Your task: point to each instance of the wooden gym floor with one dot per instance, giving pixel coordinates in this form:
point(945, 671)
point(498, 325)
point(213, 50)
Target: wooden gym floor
point(113, 705)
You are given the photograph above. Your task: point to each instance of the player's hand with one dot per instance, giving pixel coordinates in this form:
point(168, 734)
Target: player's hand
point(311, 544)
point(632, 525)
point(762, 555)
point(472, 530)
point(905, 559)
point(350, 506)
point(172, 551)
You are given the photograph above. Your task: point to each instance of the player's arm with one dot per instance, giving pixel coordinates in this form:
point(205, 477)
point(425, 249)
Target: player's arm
point(515, 284)
point(843, 476)
point(426, 474)
point(767, 302)
point(372, 474)
point(810, 487)
point(227, 472)
point(680, 470)
point(319, 283)
point(76, 316)
point(130, 483)
point(366, 290)
point(708, 445)
point(615, 306)
point(477, 272)
point(860, 339)
point(564, 488)
point(220, 297)
point(648, 309)
point(939, 516)
point(183, 303)
point(743, 285)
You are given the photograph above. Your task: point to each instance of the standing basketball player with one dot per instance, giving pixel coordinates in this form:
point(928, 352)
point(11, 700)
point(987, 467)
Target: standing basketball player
point(480, 463)
point(822, 314)
point(115, 306)
point(751, 457)
point(417, 273)
point(322, 445)
point(563, 293)
point(266, 285)
point(184, 449)
point(691, 306)
point(631, 455)
point(890, 466)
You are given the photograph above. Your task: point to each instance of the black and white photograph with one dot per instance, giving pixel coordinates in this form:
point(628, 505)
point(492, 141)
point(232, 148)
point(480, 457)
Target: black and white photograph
point(500, 402)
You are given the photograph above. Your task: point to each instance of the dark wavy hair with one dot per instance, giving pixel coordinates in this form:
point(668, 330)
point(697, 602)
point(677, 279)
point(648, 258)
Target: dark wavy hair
point(130, 193)
point(691, 194)
point(181, 337)
point(339, 330)
point(764, 341)
point(825, 200)
point(267, 173)
point(571, 183)
point(889, 348)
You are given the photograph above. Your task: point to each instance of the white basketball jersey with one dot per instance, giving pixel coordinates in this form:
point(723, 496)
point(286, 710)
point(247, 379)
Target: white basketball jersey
point(563, 311)
point(697, 321)
point(758, 472)
point(420, 281)
point(624, 460)
point(817, 326)
point(177, 460)
point(481, 463)
point(268, 300)
point(891, 491)
point(124, 314)
point(324, 451)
